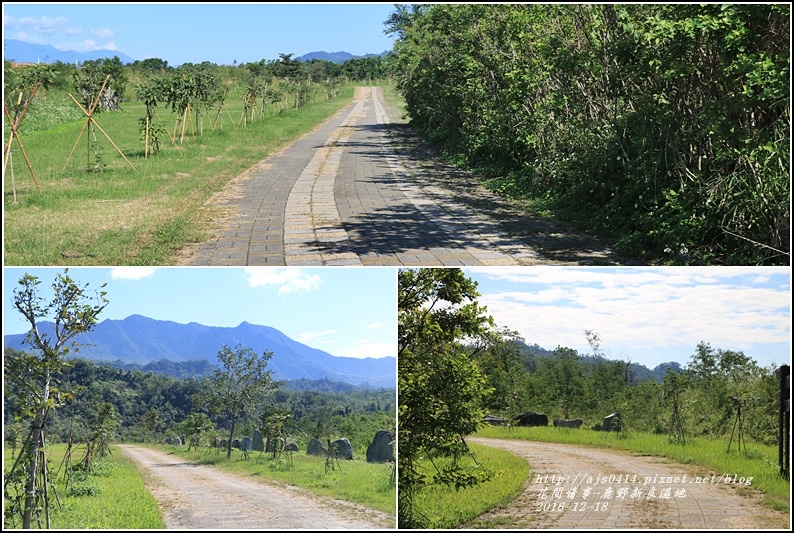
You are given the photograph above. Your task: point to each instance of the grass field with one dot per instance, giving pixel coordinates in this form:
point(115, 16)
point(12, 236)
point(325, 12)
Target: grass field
point(114, 498)
point(118, 215)
point(357, 481)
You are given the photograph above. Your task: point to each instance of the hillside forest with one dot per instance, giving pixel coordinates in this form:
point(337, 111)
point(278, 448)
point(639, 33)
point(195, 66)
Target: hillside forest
point(664, 126)
point(137, 406)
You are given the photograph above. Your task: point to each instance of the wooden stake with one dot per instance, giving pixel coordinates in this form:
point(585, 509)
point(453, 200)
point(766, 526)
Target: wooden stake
point(15, 135)
point(91, 121)
point(14, 124)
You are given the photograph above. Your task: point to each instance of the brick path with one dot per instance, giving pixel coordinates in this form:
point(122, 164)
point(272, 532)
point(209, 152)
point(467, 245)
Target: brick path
point(201, 497)
point(653, 497)
point(345, 194)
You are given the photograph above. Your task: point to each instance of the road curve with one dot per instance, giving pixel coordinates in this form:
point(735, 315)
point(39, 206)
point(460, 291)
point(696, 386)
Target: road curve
point(193, 496)
point(350, 193)
point(615, 489)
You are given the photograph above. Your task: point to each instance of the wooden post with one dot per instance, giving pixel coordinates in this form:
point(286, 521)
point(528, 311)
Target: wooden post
point(14, 125)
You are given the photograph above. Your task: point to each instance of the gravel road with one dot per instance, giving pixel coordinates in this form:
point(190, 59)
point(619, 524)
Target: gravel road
point(617, 489)
point(194, 496)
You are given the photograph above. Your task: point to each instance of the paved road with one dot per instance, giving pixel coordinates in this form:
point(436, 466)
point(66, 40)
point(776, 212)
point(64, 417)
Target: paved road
point(201, 497)
point(658, 494)
point(353, 192)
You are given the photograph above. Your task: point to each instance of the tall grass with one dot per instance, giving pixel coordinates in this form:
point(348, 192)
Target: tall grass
point(112, 214)
point(706, 456)
point(112, 497)
point(444, 507)
point(356, 481)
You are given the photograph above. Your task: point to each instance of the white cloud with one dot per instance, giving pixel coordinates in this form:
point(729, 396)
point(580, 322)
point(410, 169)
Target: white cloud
point(102, 33)
point(288, 280)
point(86, 45)
point(26, 37)
point(38, 25)
point(363, 349)
point(322, 336)
point(648, 309)
point(375, 325)
point(133, 273)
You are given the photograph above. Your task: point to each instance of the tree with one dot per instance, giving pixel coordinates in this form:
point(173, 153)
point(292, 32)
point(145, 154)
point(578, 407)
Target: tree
point(441, 389)
point(563, 379)
point(90, 77)
point(506, 374)
point(237, 386)
point(74, 311)
point(152, 423)
point(152, 64)
point(195, 426)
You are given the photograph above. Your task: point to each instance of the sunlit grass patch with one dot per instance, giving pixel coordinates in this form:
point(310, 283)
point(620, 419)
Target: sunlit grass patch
point(445, 507)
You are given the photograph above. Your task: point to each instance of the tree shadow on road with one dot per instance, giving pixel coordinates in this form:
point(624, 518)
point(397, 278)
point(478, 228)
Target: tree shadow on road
point(401, 229)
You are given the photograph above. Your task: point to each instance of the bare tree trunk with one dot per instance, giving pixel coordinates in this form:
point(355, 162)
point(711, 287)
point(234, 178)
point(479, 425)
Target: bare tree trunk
point(231, 436)
point(37, 441)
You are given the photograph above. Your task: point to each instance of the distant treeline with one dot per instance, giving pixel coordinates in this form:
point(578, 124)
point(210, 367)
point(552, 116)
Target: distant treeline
point(126, 79)
point(702, 399)
point(151, 405)
point(663, 126)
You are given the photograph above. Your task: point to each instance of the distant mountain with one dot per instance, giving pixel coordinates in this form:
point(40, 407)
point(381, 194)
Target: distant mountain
point(138, 340)
point(335, 57)
point(22, 52)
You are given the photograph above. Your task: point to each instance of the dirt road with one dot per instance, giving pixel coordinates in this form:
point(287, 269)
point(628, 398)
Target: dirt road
point(578, 487)
point(201, 497)
point(361, 190)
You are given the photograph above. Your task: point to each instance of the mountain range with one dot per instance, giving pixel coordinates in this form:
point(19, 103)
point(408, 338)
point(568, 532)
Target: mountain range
point(22, 52)
point(139, 340)
point(336, 57)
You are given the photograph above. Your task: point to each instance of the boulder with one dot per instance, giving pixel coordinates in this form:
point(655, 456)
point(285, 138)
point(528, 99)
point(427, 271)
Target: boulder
point(494, 420)
point(381, 449)
point(247, 444)
point(291, 447)
point(316, 447)
point(342, 449)
point(532, 419)
point(259, 441)
point(611, 422)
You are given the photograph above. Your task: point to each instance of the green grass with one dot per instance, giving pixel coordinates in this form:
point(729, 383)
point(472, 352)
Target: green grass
point(121, 216)
point(394, 100)
point(444, 507)
point(703, 456)
point(356, 481)
point(116, 498)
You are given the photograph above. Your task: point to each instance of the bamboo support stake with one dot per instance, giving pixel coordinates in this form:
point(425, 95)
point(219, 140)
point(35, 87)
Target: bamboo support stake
point(172, 137)
point(15, 135)
point(90, 121)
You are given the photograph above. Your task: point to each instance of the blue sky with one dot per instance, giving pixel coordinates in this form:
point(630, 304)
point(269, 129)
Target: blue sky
point(347, 312)
point(645, 315)
point(192, 33)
